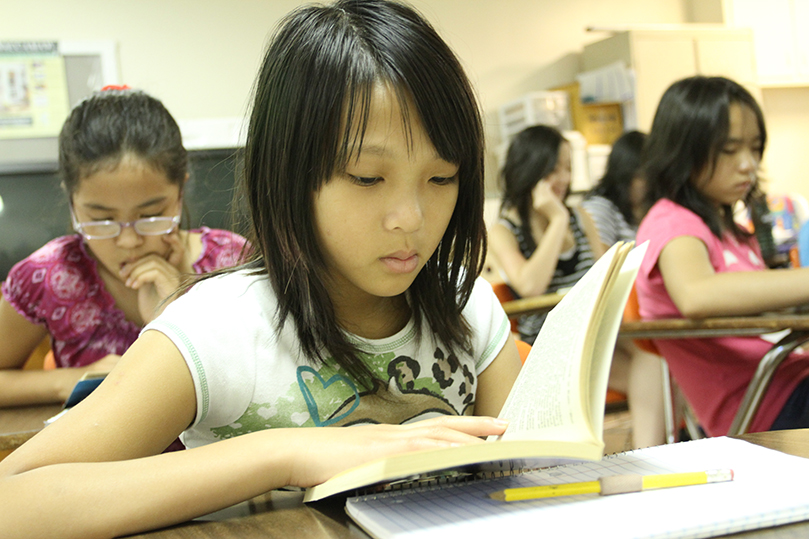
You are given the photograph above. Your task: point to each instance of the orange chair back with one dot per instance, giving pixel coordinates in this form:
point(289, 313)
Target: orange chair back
point(49, 362)
point(504, 294)
point(523, 348)
point(632, 314)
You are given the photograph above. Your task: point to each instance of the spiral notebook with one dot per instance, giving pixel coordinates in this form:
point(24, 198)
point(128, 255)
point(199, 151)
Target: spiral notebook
point(769, 489)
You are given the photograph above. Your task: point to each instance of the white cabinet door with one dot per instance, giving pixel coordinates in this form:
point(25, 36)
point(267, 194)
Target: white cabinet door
point(658, 61)
point(801, 19)
point(729, 58)
point(779, 37)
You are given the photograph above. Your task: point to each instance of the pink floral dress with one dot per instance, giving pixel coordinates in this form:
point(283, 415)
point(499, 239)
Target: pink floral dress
point(59, 287)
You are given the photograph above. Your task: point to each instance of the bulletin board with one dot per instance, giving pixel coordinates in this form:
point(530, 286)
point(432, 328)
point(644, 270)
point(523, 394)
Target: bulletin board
point(40, 81)
point(33, 90)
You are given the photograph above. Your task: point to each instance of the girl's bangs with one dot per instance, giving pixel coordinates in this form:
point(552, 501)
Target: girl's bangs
point(357, 110)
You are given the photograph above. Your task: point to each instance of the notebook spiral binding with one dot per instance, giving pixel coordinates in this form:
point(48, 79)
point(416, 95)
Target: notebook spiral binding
point(433, 481)
point(449, 478)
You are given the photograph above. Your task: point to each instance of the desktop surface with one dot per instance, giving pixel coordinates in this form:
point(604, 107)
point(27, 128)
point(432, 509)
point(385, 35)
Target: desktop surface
point(282, 514)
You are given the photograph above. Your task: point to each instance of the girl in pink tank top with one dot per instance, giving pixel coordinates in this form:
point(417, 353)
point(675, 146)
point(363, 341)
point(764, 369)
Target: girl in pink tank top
point(701, 159)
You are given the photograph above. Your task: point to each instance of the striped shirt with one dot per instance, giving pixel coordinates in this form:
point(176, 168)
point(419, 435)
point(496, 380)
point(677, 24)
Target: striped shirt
point(610, 222)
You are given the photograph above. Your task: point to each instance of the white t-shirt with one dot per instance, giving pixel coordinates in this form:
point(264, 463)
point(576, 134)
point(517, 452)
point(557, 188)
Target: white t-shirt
point(249, 376)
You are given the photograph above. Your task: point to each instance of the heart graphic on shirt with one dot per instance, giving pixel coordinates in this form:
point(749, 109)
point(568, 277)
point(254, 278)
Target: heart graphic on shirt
point(320, 387)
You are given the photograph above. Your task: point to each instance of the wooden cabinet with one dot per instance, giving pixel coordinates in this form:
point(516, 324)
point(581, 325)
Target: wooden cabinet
point(660, 56)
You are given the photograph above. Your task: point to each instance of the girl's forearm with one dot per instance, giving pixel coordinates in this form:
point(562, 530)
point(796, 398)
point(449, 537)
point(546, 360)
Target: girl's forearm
point(109, 499)
point(536, 274)
point(28, 387)
point(744, 293)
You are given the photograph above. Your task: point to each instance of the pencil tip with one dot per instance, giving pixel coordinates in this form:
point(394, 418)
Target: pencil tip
point(499, 496)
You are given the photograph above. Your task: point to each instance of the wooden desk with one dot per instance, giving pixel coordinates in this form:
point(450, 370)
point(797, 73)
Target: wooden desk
point(678, 328)
point(733, 326)
point(19, 424)
point(282, 515)
point(536, 304)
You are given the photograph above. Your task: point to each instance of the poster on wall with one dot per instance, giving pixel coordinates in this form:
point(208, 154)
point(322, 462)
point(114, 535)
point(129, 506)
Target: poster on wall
point(33, 90)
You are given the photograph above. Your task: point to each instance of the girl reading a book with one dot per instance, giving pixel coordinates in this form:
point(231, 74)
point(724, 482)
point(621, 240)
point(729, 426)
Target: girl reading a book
point(124, 169)
point(702, 159)
point(362, 306)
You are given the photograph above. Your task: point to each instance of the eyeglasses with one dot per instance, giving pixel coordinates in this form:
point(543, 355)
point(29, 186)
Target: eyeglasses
point(102, 230)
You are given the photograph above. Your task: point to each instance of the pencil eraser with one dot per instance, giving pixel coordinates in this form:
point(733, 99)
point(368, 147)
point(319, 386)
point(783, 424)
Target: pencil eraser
point(620, 484)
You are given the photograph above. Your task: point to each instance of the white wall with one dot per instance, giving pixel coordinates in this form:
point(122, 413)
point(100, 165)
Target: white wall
point(200, 57)
point(786, 162)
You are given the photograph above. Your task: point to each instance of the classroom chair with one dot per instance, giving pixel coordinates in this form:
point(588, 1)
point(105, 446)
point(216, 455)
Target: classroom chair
point(524, 349)
point(41, 357)
point(504, 294)
point(677, 412)
point(755, 390)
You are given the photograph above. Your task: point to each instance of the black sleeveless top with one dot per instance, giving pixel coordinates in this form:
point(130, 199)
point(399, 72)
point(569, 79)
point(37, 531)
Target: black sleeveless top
point(569, 269)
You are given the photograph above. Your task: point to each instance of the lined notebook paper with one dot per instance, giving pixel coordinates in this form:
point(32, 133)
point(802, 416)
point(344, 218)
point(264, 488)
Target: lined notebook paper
point(769, 488)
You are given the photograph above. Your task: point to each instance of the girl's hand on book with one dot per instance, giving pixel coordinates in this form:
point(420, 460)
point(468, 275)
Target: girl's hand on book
point(324, 452)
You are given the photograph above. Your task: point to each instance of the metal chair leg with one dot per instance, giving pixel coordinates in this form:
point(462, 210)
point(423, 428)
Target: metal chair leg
point(762, 378)
point(668, 403)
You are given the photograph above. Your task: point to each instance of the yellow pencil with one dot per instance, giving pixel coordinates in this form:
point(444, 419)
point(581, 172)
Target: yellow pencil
point(614, 484)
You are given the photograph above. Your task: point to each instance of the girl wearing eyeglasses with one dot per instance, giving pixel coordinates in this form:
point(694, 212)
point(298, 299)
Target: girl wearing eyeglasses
point(123, 167)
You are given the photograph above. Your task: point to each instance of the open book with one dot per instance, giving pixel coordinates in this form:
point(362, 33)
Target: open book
point(556, 407)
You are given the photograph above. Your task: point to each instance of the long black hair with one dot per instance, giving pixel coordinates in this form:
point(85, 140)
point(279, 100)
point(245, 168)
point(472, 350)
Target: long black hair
point(311, 106)
point(690, 128)
point(623, 166)
point(531, 157)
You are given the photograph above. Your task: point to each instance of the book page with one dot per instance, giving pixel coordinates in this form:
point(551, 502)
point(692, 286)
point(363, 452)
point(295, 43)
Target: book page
point(547, 393)
point(595, 382)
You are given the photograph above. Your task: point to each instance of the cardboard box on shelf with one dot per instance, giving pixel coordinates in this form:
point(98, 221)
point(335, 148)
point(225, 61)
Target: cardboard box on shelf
point(600, 123)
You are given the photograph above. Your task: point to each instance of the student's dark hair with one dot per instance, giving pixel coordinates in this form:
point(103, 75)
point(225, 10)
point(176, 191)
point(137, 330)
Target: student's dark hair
point(532, 156)
point(311, 107)
point(623, 165)
point(110, 124)
point(690, 128)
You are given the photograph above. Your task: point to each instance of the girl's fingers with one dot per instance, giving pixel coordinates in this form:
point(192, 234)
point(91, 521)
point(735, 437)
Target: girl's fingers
point(177, 250)
point(149, 269)
point(351, 446)
point(462, 427)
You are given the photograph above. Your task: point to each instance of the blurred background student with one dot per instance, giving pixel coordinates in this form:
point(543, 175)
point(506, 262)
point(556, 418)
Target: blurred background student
point(701, 159)
point(123, 167)
point(543, 246)
point(540, 244)
point(618, 202)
